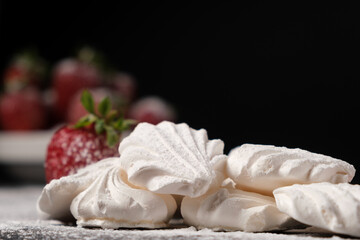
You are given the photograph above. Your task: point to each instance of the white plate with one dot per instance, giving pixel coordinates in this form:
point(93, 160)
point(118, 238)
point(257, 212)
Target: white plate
point(24, 147)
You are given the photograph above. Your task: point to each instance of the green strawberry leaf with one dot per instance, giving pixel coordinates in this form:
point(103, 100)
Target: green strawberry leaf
point(112, 136)
point(123, 124)
point(94, 57)
point(108, 120)
point(104, 106)
point(99, 126)
point(85, 121)
point(87, 101)
point(118, 124)
point(112, 116)
point(127, 123)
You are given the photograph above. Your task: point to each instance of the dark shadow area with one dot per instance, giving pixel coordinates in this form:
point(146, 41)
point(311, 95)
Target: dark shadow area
point(267, 73)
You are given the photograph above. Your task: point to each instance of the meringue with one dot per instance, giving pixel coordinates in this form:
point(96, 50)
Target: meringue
point(110, 202)
point(100, 196)
point(334, 207)
point(233, 209)
point(172, 158)
point(263, 168)
point(55, 199)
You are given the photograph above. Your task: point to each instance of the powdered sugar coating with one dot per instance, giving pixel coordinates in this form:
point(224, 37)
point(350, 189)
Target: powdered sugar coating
point(263, 168)
point(72, 149)
point(172, 158)
point(334, 207)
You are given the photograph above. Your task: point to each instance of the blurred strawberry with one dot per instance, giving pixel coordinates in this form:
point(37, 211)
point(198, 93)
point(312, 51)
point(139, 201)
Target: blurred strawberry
point(152, 110)
point(69, 77)
point(76, 109)
point(25, 69)
point(22, 110)
point(124, 84)
point(72, 75)
point(95, 137)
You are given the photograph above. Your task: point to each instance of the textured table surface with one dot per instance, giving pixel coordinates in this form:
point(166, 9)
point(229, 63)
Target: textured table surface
point(18, 220)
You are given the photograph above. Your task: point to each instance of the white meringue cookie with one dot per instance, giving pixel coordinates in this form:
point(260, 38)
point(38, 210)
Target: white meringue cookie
point(99, 195)
point(334, 207)
point(110, 202)
point(56, 197)
point(233, 209)
point(172, 158)
point(263, 168)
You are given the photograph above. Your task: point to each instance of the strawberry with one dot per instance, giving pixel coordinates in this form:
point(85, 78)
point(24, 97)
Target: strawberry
point(124, 84)
point(25, 69)
point(152, 110)
point(95, 137)
point(22, 110)
point(70, 76)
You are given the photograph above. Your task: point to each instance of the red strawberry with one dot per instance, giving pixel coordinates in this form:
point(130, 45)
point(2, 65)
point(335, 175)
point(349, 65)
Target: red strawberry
point(22, 110)
point(25, 69)
point(94, 137)
point(152, 110)
point(69, 77)
point(71, 149)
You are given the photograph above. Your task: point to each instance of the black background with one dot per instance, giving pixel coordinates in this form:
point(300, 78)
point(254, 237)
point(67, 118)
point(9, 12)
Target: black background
point(260, 72)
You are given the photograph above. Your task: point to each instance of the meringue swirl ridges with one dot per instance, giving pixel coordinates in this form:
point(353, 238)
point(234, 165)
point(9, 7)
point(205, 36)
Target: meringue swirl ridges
point(109, 202)
point(172, 158)
point(335, 207)
point(263, 168)
point(56, 197)
point(100, 196)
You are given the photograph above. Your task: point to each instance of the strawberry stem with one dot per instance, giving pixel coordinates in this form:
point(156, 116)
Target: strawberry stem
point(108, 120)
point(104, 107)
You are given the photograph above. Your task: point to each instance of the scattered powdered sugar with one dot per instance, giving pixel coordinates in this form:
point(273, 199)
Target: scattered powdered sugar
point(19, 203)
point(54, 230)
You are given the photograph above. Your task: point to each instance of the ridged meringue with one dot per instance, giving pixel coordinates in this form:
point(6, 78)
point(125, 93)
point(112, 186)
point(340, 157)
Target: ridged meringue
point(335, 207)
point(55, 199)
point(172, 158)
point(110, 202)
point(263, 168)
point(100, 196)
point(233, 209)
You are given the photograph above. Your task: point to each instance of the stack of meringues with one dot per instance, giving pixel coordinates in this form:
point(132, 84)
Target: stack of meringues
point(255, 188)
